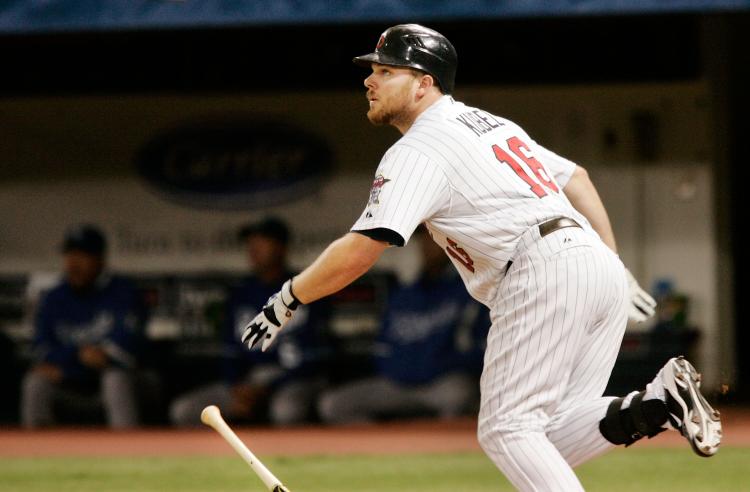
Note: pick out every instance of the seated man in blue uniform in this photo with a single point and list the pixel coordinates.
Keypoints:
(282, 384)
(86, 340)
(428, 353)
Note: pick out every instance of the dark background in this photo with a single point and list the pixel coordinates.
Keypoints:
(517, 51)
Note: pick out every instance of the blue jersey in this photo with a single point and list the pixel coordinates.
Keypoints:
(430, 328)
(108, 315)
(299, 348)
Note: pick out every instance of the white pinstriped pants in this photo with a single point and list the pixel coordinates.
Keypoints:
(557, 326)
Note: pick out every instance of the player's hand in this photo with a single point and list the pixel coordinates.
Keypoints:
(245, 400)
(642, 305)
(93, 357)
(273, 317)
(49, 371)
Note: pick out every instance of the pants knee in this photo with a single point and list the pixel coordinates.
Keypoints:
(327, 408)
(494, 438)
(334, 408)
(117, 387)
(35, 384)
(183, 413)
(494, 444)
(488, 441)
(285, 412)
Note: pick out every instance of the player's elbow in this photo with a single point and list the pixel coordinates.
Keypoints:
(581, 173)
(578, 185)
(361, 252)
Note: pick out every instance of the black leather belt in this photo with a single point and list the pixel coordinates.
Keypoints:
(559, 223)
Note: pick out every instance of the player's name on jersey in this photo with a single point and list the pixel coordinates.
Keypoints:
(478, 121)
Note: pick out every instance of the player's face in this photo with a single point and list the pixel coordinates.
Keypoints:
(81, 268)
(390, 91)
(265, 253)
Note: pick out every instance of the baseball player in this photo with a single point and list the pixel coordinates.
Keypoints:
(522, 234)
(87, 340)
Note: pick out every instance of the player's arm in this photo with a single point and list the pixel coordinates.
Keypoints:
(584, 198)
(344, 261)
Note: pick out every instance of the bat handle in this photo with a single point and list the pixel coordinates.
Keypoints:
(211, 416)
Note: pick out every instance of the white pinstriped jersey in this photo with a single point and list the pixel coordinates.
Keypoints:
(477, 181)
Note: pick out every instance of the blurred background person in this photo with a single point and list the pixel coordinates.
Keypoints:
(428, 354)
(87, 335)
(281, 384)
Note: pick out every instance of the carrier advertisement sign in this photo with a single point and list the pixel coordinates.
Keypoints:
(234, 165)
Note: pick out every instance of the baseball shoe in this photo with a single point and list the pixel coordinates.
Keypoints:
(689, 412)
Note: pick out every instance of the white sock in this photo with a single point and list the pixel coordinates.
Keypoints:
(655, 389)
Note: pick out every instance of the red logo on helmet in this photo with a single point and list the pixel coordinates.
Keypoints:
(381, 42)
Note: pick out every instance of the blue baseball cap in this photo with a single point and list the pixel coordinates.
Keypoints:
(271, 227)
(84, 237)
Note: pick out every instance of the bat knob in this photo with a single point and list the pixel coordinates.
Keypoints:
(210, 415)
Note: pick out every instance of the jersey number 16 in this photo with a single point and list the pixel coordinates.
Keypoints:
(518, 147)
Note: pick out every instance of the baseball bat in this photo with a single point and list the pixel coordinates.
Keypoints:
(211, 416)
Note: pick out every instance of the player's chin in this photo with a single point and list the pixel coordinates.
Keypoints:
(377, 118)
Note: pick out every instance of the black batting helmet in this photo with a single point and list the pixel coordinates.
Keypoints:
(415, 46)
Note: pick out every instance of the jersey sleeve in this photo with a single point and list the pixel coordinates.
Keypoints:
(408, 189)
(561, 168)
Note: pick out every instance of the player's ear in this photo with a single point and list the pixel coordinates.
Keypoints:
(426, 81)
